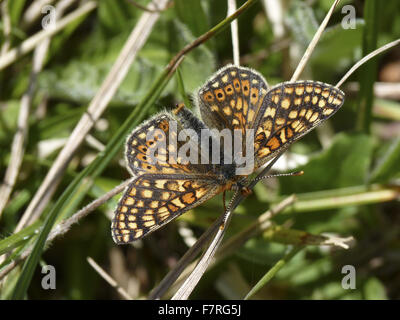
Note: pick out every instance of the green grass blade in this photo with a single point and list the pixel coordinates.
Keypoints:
(181, 88)
(19, 238)
(369, 72)
(30, 265)
(100, 163)
(390, 164)
(272, 272)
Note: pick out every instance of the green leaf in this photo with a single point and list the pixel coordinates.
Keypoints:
(191, 13)
(338, 46)
(389, 165)
(272, 272)
(116, 16)
(181, 88)
(374, 290)
(345, 163)
(15, 8)
(16, 239)
(79, 80)
(302, 22)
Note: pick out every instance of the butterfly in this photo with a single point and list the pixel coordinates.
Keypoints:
(234, 99)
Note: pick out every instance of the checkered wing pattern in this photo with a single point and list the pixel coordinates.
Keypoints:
(165, 186)
(235, 98)
(232, 98)
(153, 200)
(289, 111)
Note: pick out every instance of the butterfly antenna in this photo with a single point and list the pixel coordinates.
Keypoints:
(296, 173)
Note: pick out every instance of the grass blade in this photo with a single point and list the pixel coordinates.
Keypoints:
(273, 271)
(369, 72)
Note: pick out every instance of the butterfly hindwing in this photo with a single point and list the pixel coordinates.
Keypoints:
(153, 200)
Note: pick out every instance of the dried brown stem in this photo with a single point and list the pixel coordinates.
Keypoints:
(313, 43)
(18, 145)
(113, 283)
(29, 44)
(6, 27)
(96, 108)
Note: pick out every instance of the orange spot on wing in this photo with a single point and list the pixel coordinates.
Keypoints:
(246, 87)
(236, 84)
(273, 143)
(220, 94)
(189, 198)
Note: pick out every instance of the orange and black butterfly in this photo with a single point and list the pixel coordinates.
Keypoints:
(236, 99)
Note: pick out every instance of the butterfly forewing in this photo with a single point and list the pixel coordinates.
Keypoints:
(166, 186)
(232, 98)
(290, 110)
(154, 147)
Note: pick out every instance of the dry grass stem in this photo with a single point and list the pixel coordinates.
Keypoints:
(193, 279)
(274, 11)
(383, 90)
(206, 259)
(189, 256)
(366, 58)
(144, 8)
(109, 279)
(34, 11)
(234, 33)
(18, 145)
(313, 43)
(96, 107)
(262, 223)
(63, 227)
(5, 17)
(29, 44)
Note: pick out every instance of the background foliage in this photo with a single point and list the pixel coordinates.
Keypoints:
(342, 158)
